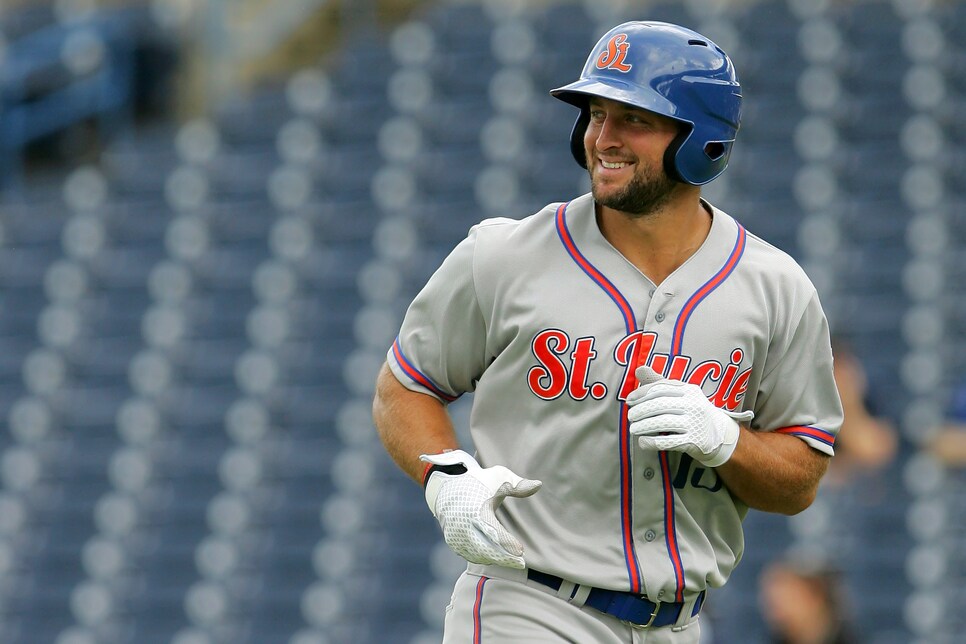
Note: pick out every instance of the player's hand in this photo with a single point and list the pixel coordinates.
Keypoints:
(669, 415)
(465, 506)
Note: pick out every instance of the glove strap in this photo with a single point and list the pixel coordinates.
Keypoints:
(452, 470)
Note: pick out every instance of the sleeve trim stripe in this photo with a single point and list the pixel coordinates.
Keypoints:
(416, 375)
(814, 433)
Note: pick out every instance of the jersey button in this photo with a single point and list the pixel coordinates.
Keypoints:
(650, 535)
(659, 317)
(649, 473)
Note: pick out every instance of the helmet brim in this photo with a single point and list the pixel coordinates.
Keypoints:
(580, 92)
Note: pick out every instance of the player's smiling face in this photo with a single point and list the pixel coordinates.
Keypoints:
(624, 147)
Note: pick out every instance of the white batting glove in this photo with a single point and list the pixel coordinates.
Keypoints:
(465, 506)
(670, 415)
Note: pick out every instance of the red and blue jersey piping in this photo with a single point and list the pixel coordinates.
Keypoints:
(630, 326)
(416, 375)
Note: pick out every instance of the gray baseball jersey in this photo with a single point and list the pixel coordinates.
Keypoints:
(545, 321)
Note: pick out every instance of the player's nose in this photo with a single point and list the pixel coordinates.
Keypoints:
(607, 135)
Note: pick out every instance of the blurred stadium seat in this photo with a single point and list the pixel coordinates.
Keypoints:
(193, 309)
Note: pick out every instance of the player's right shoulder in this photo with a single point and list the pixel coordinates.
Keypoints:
(496, 221)
(502, 243)
(509, 230)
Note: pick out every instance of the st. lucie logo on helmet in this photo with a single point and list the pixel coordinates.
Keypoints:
(613, 57)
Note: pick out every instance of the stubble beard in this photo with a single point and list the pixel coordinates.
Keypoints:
(648, 192)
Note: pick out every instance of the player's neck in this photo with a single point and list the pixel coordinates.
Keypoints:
(659, 242)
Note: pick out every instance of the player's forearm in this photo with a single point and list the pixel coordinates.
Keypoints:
(410, 423)
(774, 472)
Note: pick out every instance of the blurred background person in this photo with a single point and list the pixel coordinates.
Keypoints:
(805, 602)
(948, 442)
(855, 495)
(868, 442)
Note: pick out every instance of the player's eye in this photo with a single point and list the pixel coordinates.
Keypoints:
(636, 118)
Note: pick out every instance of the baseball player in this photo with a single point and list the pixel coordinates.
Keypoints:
(645, 370)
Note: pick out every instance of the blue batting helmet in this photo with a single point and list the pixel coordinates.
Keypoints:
(669, 70)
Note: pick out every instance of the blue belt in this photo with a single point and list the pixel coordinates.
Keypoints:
(627, 607)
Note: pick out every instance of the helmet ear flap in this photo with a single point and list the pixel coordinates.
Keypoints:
(671, 155)
(685, 162)
(577, 137)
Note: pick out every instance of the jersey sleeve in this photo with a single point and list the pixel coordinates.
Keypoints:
(798, 395)
(441, 344)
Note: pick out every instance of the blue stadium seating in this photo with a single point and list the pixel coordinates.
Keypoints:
(311, 423)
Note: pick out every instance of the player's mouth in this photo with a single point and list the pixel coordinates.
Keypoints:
(612, 167)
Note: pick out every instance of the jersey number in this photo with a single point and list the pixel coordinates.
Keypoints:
(687, 475)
